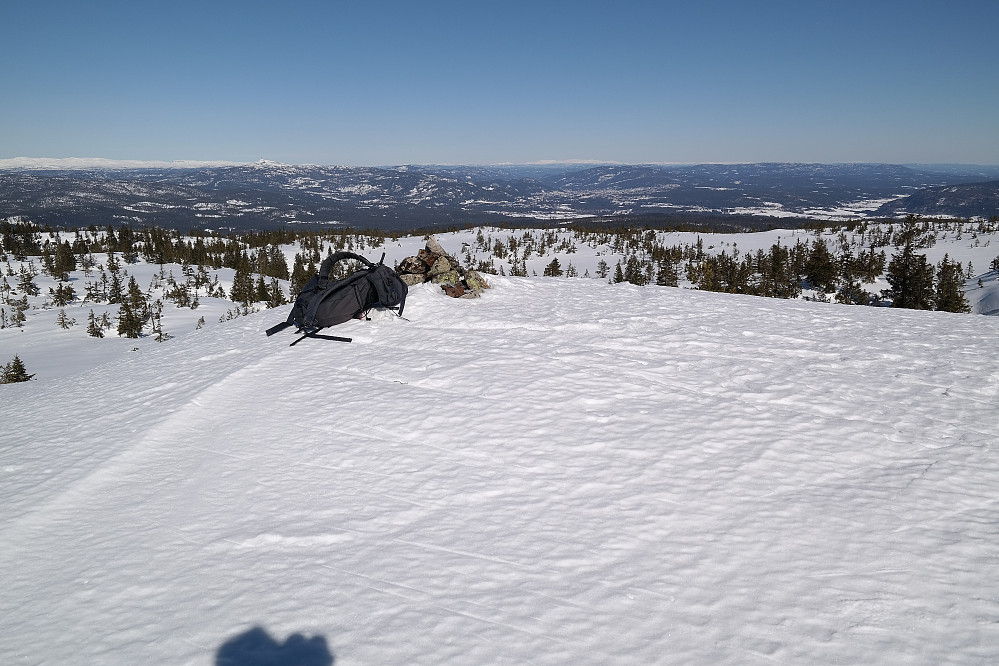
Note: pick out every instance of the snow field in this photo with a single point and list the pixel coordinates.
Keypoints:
(563, 471)
(50, 352)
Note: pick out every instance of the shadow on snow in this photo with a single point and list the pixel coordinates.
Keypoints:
(256, 648)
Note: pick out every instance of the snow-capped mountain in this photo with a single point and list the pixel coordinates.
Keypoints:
(268, 194)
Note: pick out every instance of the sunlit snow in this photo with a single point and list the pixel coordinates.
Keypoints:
(561, 472)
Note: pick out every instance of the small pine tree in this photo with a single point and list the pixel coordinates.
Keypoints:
(62, 295)
(553, 269)
(949, 295)
(115, 290)
(603, 270)
(20, 306)
(26, 280)
(820, 268)
(667, 275)
(911, 280)
(64, 320)
(64, 261)
(275, 295)
(157, 322)
(14, 372)
(243, 289)
(134, 311)
(94, 327)
(633, 272)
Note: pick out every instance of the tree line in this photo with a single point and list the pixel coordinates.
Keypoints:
(839, 268)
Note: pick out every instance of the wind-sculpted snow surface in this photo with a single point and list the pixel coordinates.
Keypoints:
(562, 472)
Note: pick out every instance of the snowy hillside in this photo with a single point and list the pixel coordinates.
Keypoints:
(51, 350)
(562, 472)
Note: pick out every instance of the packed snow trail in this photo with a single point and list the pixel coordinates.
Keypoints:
(560, 472)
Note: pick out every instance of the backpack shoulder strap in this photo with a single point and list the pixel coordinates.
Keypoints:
(327, 265)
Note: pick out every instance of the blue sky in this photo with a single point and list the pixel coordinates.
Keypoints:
(381, 82)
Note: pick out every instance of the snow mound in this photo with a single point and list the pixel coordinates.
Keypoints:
(983, 293)
(560, 472)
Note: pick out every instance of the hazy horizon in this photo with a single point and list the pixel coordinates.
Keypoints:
(68, 163)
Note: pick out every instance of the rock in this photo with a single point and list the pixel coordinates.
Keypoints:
(453, 290)
(450, 277)
(412, 265)
(441, 266)
(434, 247)
(412, 278)
(429, 258)
(470, 294)
(475, 281)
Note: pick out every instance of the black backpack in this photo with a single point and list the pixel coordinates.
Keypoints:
(324, 302)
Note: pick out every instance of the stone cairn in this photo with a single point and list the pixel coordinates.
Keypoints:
(433, 264)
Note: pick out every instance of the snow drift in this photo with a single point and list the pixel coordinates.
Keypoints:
(563, 472)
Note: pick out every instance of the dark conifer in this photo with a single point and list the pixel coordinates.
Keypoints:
(911, 280)
(134, 311)
(94, 328)
(666, 275)
(820, 268)
(64, 262)
(14, 372)
(949, 295)
(243, 289)
(62, 295)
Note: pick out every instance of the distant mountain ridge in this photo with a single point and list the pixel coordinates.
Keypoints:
(269, 194)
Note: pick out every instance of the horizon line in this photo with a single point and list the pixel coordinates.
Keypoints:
(70, 163)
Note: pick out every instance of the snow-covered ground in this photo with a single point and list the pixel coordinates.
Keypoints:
(51, 352)
(562, 472)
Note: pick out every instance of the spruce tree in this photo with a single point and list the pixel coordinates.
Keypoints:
(275, 294)
(64, 261)
(602, 269)
(94, 328)
(911, 280)
(115, 289)
(618, 273)
(62, 295)
(243, 289)
(134, 311)
(633, 271)
(26, 280)
(64, 320)
(820, 268)
(299, 274)
(14, 372)
(667, 275)
(949, 295)
(20, 306)
(263, 293)
(157, 322)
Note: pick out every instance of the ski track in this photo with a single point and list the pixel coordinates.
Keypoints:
(684, 479)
